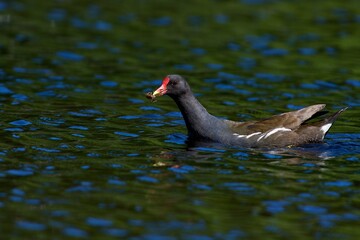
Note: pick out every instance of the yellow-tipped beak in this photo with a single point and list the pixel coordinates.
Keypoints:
(160, 91)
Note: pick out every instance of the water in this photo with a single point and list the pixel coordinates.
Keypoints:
(84, 154)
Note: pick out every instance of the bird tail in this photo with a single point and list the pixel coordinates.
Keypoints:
(334, 116)
(326, 123)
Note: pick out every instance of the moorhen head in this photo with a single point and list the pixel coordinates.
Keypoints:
(174, 86)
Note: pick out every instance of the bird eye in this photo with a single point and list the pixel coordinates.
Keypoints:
(173, 83)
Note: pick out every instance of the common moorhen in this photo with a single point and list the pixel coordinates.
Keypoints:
(286, 129)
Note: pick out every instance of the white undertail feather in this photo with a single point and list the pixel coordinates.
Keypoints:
(326, 127)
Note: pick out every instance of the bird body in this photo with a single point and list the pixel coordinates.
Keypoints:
(286, 129)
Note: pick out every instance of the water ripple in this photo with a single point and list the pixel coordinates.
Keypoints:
(20, 123)
(70, 56)
(19, 172)
(32, 226)
(98, 222)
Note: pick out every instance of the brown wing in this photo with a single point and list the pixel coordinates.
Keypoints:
(291, 120)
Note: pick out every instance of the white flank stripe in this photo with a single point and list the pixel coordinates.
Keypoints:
(239, 136)
(246, 136)
(266, 135)
(277, 130)
(326, 127)
(253, 134)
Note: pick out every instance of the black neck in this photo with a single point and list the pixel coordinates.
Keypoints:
(199, 122)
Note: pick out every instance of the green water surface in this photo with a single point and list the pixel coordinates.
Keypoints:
(83, 154)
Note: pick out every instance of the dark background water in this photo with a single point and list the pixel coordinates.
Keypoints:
(84, 155)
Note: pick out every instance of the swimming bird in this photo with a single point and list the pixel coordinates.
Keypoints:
(285, 129)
